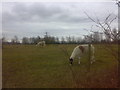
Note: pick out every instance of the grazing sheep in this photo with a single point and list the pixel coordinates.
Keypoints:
(81, 50)
(41, 43)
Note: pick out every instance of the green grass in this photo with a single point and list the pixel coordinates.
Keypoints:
(28, 66)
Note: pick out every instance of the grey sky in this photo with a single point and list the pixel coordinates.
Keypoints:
(58, 19)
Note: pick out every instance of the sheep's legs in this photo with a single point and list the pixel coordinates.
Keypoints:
(79, 60)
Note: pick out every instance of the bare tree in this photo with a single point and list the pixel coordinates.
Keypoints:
(112, 34)
(15, 40)
(4, 39)
(25, 40)
(62, 40)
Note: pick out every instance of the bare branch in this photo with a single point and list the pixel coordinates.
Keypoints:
(113, 20)
(106, 19)
(90, 17)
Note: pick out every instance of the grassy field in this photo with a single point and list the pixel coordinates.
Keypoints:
(28, 66)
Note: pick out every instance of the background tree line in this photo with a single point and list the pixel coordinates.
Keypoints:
(97, 37)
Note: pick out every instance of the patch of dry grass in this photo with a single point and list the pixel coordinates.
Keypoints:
(28, 66)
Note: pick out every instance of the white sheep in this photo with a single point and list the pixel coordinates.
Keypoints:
(81, 50)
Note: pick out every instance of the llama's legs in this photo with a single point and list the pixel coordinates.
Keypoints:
(79, 60)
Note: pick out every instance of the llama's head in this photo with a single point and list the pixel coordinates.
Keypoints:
(71, 60)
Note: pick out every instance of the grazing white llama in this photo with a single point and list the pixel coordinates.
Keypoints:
(41, 43)
(81, 50)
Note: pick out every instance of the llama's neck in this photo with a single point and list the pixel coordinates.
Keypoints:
(73, 54)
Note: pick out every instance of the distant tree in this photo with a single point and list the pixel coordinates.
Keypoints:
(79, 40)
(4, 39)
(31, 39)
(63, 40)
(25, 40)
(15, 40)
(73, 41)
(46, 34)
(12, 41)
(68, 39)
(51, 39)
(46, 38)
(57, 40)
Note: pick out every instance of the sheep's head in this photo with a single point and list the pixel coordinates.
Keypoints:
(71, 60)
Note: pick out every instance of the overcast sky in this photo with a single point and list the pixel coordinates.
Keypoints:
(58, 19)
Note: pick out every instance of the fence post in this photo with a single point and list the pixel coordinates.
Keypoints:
(118, 45)
(89, 57)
